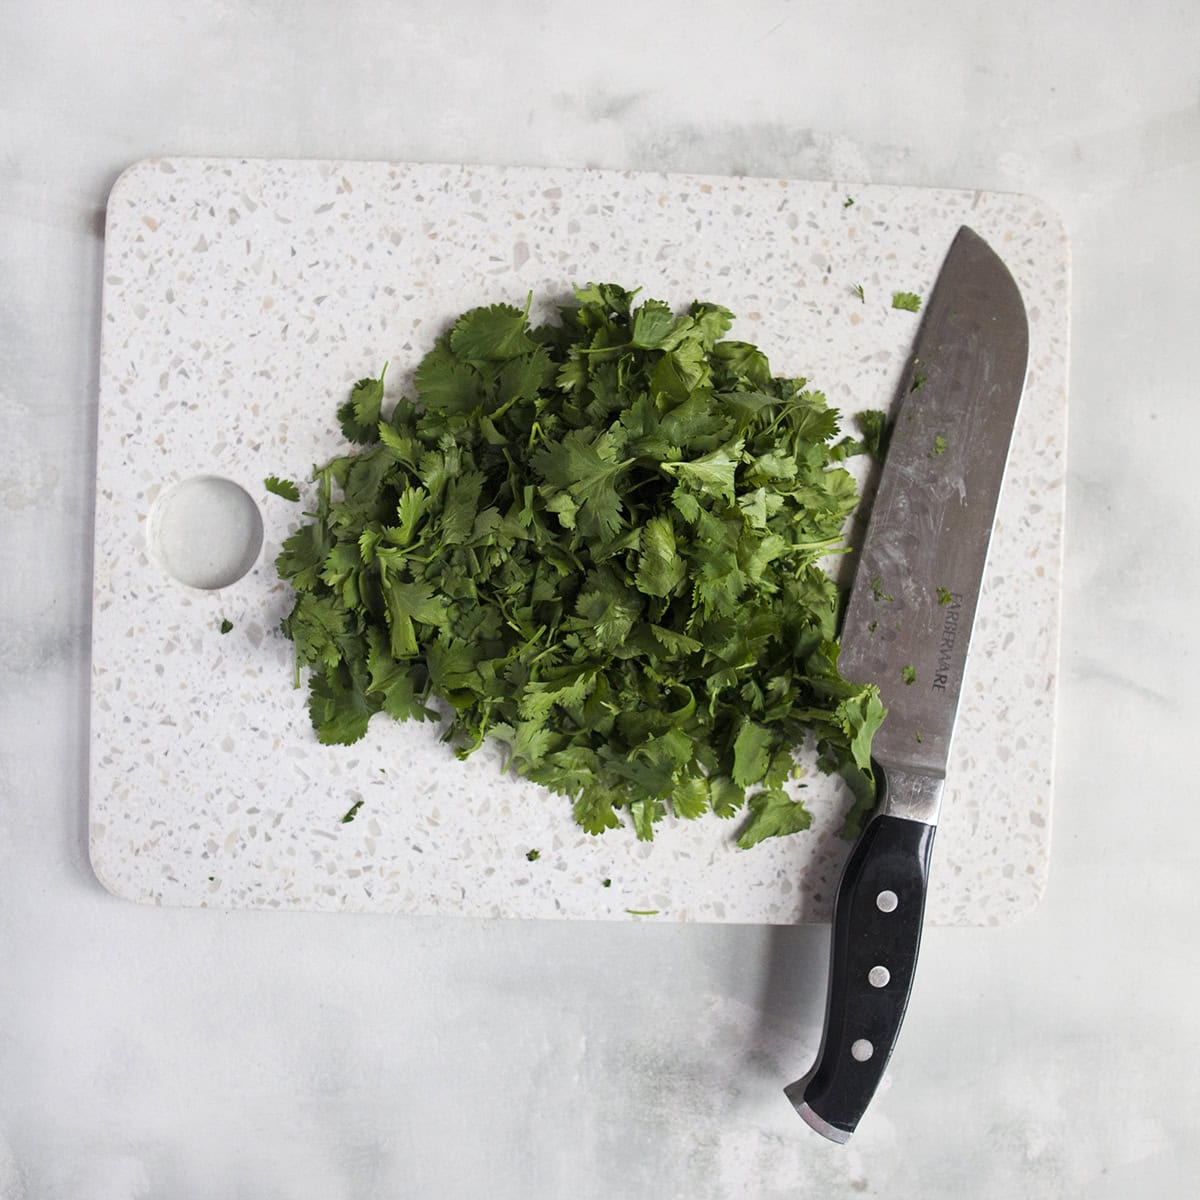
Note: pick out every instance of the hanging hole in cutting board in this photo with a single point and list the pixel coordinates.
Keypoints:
(206, 532)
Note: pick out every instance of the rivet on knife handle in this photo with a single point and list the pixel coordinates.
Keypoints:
(876, 933)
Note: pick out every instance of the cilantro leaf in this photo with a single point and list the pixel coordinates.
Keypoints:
(909, 301)
(587, 470)
(448, 384)
(494, 334)
(359, 416)
(282, 487)
(660, 568)
(655, 327)
(338, 708)
(751, 754)
(317, 625)
(873, 425)
(713, 473)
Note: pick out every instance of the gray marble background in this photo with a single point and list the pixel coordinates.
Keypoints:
(185, 1054)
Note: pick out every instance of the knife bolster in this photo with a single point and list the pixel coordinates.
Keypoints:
(910, 796)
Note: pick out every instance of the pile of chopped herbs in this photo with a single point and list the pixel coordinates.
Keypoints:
(599, 543)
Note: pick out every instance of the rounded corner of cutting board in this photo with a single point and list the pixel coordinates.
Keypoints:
(1028, 905)
(111, 881)
(130, 179)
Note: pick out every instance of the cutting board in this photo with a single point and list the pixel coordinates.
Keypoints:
(241, 301)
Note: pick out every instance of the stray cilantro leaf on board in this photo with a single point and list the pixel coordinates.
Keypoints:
(773, 814)
(944, 595)
(597, 545)
(877, 590)
(858, 291)
(606, 883)
(908, 301)
(282, 487)
(908, 674)
(226, 625)
(533, 855)
(848, 202)
(939, 444)
(352, 812)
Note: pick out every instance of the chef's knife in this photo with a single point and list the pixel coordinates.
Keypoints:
(907, 628)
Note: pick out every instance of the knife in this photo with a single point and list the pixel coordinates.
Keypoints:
(907, 628)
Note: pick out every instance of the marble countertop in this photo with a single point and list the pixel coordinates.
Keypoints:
(195, 1053)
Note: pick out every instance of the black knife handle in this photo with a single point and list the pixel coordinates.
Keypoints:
(876, 932)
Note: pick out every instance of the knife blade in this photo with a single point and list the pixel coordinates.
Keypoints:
(907, 628)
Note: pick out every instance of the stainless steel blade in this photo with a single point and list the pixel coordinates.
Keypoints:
(908, 623)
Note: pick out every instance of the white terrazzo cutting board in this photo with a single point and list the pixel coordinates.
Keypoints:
(241, 301)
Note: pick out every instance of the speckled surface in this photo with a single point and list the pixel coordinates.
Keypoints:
(241, 300)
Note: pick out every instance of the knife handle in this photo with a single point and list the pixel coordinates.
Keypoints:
(876, 932)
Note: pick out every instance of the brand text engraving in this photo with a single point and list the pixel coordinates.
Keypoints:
(950, 624)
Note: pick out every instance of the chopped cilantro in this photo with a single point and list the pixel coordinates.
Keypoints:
(939, 444)
(281, 487)
(352, 812)
(599, 543)
(908, 674)
(918, 380)
(875, 429)
(874, 625)
(944, 596)
(226, 625)
(909, 301)
(606, 883)
(858, 291)
(533, 855)
(848, 202)
(919, 737)
(877, 590)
